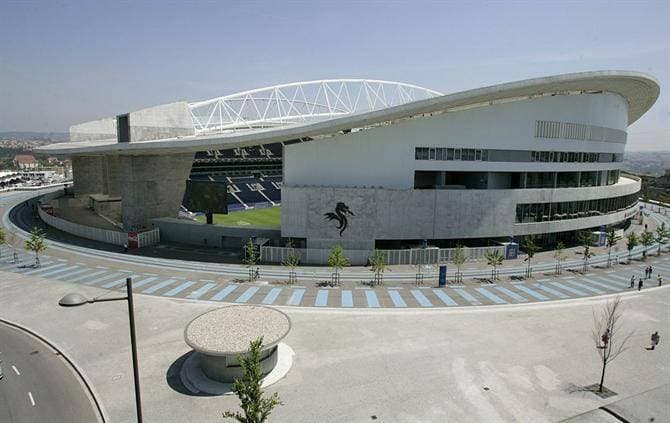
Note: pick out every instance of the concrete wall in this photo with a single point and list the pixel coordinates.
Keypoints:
(164, 121)
(88, 175)
(152, 186)
(195, 233)
(429, 214)
(101, 129)
(384, 156)
(111, 176)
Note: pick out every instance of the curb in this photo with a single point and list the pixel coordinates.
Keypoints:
(102, 415)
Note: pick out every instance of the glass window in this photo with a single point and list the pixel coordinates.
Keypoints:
(440, 154)
(421, 153)
(478, 154)
(485, 155)
(457, 154)
(450, 154)
(432, 154)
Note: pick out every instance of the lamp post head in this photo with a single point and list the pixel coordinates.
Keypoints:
(73, 300)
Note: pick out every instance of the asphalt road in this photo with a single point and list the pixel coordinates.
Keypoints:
(38, 385)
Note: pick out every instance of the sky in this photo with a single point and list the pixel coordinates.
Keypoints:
(63, 63)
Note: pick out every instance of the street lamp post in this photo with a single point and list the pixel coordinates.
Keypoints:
(74, 300)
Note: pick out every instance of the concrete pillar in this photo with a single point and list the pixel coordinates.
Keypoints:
(152, 186)
(87, 175)
(112, 181)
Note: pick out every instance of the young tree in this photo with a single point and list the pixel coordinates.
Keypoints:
(607, 334)
(585, 239)
(378, 265)
(530, 248)
(494, 259)
(646, 239)
(458, 259)
(612, 239)
(2, 239)
(662, 234)
(632, 241)
(12, 240)
(559, 255)
(255, 407)
(337, 260)
(36, 244)
(292, 260)
(250, 258)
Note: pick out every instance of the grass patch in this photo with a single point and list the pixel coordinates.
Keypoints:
(260, 218)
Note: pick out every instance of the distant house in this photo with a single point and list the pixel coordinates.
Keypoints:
(25, 161)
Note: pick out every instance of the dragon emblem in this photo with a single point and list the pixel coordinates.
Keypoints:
(340, 215)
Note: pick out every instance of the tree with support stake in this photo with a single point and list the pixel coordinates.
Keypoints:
(632, 241)
(378, 266)
(530, 248)
(337, 260)
(2, 239)
(36, 244)
(559, 255)
(251, 259)
(292, 261)
(612, 239)
(494, 259)
(585, 240)
(646, 240)
(607, 335)
(458, 259)
(662, 235)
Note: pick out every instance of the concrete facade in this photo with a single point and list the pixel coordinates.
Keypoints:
(152, 187)
(101, 129)
(165, 121)
(88, 175)
(194, 233)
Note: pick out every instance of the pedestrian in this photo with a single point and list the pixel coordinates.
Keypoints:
(651, 271)
(655, 337)
(660, 280)
(125, 248)
(257, 274)
(632, 281)
(639, 284)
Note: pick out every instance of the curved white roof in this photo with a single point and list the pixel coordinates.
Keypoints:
(640, 91)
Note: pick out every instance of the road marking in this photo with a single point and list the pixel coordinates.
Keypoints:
(70, 274)
(491, 296)
(44, 269)
(616, 283)
(569, 289)
(396, 298)
(421, 299)
(176, 290)
(201, 291)
(271, 297)
(224, 292)
(530, 292)
(16, 371)
(347, 298)
(586, 287)
(321, 298)
(55, 272)
(512, 294)
(246, 295)
(78, 278)
(158, 286)
(602, 285)
(143, 282)
(371, 298)
(103, 278)
(32, 400)
(467, 297)
(444, 297)
(551, 291)
(117, 282)
(296, 297)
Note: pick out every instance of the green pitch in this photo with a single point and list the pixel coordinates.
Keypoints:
(261, 218)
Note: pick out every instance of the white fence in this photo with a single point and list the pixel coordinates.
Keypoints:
(359, 257)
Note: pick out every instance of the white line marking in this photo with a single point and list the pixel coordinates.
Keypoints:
(16, 371)
(32, 400)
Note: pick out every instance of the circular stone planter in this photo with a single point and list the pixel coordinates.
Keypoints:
(221, 335)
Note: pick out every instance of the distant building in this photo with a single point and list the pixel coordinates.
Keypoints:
(25, 161)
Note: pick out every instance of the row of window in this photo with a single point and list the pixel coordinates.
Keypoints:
(578, 131)
(474, 154)
(545, 212)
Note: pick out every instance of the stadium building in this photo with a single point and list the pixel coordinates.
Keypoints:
(383, 164)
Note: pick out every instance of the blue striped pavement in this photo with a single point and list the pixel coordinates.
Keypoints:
(201, 291)
(620, 279)
(87, 275)
(44, 269)
(347, 298)
(272, 296)
(444, 297)
(396, 298)
(142, 282)
(568, 288)
(296, 297)
(532, 293)
(491, 296)
(179, 288)
(103, 278)
(371, 298)
(551, 291)
(582, 284)
(71, 274)
(224, 292)
(158, 286)
(421, 299)
(55, 272)
(321, 298)
(467, 297)
(615, 281)
(118, 282)
(602, 285)
(246, 295)
(512, 294)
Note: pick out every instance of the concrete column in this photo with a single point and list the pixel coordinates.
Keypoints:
(112, 181)
(152, 186)
(87, 175)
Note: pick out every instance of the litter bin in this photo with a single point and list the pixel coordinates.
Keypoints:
(442, 281)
